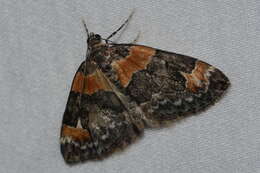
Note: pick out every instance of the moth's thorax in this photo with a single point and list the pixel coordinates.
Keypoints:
(98, 53)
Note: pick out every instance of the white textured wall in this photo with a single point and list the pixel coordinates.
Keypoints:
(43, 42)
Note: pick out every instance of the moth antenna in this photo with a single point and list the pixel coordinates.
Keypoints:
(85, 26)
(124, 24)
(107, 40)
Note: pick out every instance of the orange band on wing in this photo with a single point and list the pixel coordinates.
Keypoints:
(77, 85)
(93, 83)
(77, 134)
(199, 76)
(139, 57)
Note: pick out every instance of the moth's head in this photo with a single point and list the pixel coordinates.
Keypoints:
(93, 39)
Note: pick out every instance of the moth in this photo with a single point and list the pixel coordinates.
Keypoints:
(121, 89)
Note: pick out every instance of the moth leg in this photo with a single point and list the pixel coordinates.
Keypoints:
(125, 23)
(136, 38)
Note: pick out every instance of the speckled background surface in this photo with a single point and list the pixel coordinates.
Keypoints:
(43, 42)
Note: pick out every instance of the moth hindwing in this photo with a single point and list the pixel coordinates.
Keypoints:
(122, 88)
